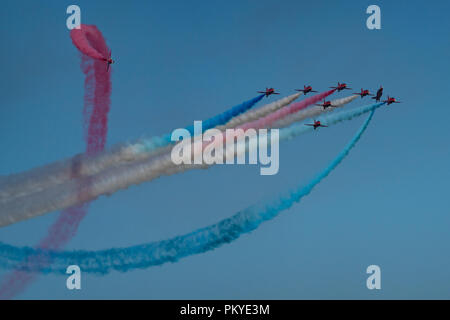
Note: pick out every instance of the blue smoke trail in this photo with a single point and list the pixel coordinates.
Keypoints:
(160, 252)
(220, 119)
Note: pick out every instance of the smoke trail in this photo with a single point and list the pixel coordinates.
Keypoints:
(96, 108)
(199, 241)
(38, 179)
(114, 179)
(312, 112)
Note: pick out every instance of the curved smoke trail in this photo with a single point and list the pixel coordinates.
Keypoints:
(97, 86)
(84, 38)
(38, 179)
(157, 253)
(114, 179)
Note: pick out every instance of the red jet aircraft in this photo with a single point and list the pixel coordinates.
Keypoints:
(391, 100)
(341, 86)
(325, 104)
(379, 94)
(108, 60)
(316, 124)
(363, 93)
(268, 91)
(306, 89)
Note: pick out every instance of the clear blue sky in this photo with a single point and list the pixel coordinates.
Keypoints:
(179, 61)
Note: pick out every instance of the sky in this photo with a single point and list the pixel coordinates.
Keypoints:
(179, 61)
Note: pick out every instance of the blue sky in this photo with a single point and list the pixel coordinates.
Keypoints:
(179, 61)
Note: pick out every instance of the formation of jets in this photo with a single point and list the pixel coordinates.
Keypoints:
(343, 86)
(327, 104)
(308, 88)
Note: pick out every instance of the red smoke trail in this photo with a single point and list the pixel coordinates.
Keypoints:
(97, 85)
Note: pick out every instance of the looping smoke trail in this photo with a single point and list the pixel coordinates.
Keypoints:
(199, 241)
(86, 39)
(38, 179)
(95, 112)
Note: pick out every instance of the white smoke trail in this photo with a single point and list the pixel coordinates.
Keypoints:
(38, 179)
